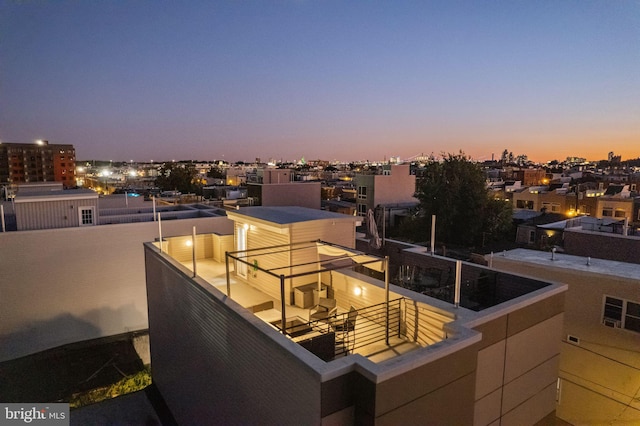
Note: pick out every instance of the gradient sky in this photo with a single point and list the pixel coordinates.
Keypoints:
(346, 80)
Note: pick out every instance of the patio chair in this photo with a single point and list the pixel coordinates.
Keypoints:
(344, 327)
(324, 309)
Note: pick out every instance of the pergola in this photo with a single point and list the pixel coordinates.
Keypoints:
(335, 257)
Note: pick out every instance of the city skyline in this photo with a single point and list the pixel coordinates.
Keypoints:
(235, 81)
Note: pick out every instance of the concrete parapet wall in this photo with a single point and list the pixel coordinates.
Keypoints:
(61, 286)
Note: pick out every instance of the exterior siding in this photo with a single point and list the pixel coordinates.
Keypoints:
(259, 237)
(341, 232)
(597, 373)
(52, 214)
(183, 252)
(237, 363)
(336, 232)
(221, 245)
(291, 194)
(397, 188)
(438, 393)
(518, 360)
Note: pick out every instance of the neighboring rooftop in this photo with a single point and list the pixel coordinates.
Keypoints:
(54, 195)
(576, 263)
(287, 214)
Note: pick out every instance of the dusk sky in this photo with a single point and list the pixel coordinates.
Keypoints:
(344, 80)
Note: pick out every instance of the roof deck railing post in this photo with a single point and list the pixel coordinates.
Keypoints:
(283, 305)
(386, 295)
(160, 230)
(400, 310)
(456, 294)
(193, 250)
(226, 262)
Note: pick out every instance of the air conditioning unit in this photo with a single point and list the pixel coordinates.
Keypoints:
(573, 339)
(611, 323)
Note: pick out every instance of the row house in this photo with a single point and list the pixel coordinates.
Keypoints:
(615, 202)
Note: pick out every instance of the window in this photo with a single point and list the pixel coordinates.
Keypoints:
(524, 204)
(362, 192)
(86, 216)
(362, 209)
(621, 313)
(551, 207)
(532, 237)
(619, 213)
(607, 212)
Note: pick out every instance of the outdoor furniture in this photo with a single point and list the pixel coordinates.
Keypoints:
(324, 309)
(306, 296)
(344, 326)
(294, 326)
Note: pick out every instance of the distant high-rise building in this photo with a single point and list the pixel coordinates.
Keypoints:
(37, 162)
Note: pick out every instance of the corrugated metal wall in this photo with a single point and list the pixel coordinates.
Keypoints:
(213, 366)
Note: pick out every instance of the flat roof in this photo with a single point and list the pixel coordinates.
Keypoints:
(58, 195)
(575, 263)
(284, 215)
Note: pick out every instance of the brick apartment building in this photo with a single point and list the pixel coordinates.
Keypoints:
(37, 162)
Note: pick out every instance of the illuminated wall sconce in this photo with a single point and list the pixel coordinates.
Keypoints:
(358, 291)
(188, 243)
(245, 226)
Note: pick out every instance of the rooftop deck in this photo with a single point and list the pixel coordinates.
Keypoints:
(366, 336)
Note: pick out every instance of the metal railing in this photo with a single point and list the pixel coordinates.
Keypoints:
(358, 328)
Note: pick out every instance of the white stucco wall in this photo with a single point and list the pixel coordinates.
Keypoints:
(61, 286)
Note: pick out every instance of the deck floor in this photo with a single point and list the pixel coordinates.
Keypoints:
(247, 296)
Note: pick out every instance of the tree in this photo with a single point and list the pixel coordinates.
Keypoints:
(498, 220)
(216, 173)
(455, 191)
(177, 177)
